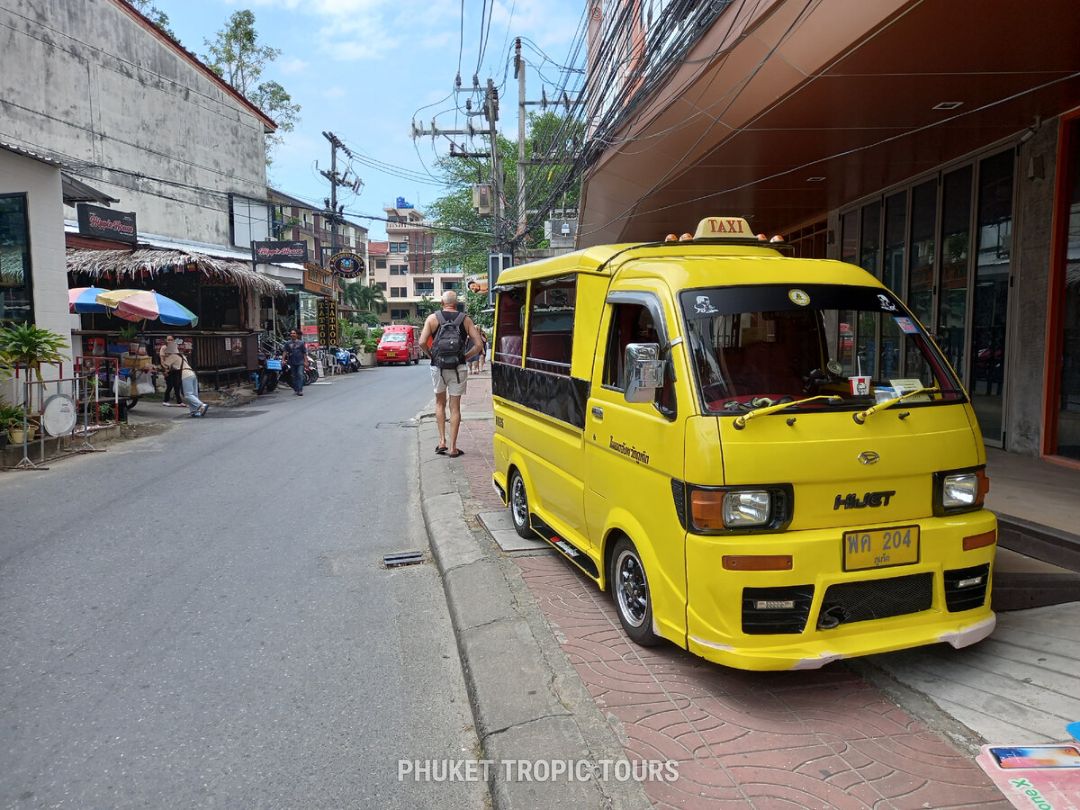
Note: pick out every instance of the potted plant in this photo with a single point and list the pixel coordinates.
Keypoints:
(11, 420)
(27, 345)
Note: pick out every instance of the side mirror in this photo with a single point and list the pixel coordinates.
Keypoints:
(643, 372)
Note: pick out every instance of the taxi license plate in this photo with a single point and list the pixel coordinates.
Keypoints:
(881, 548)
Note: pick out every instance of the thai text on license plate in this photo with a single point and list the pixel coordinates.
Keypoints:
(881, 548)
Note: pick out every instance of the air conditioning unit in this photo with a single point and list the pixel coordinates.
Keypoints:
(481, 198)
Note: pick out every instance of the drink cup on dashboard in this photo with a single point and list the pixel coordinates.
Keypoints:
(860, 385)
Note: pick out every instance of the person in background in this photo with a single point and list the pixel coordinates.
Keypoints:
(483, 354)
(189, 382)
(295, 355)
(474, 361)
(169, 354)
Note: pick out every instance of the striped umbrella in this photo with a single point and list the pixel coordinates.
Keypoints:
(83, 300)
(135, 305)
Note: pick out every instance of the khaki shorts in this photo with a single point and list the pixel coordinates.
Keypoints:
(445, 379)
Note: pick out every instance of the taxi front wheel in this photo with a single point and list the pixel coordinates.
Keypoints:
(630, 588)
(519, 506)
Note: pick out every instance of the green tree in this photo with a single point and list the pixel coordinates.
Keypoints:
(425, 306)
(154, 14)
(468, 237)
(365, 298)
(239, 58)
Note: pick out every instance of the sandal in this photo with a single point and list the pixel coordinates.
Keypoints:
(456, 453)
(440, 449)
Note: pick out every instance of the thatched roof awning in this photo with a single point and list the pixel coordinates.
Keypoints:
(132, 264)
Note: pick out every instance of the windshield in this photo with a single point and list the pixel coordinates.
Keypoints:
(394, 337)
(853, 346)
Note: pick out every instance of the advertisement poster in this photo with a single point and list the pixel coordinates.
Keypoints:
(1046, 777)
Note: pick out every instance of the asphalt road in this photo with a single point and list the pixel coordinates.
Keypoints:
(201, 619)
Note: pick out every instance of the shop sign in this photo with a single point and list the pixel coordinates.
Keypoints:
(346, 264)
(104, 223)
(327, 318)
(279, 252)
(317, 280)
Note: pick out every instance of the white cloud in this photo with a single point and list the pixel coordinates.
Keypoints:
(334, 92)
(291, 65)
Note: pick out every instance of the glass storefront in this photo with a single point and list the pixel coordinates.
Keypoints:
(1068, 415)
(945, 244)
(16, 290)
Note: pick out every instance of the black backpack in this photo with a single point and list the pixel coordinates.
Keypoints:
(448, 347)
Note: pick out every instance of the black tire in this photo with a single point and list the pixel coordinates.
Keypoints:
(271, 382)
(519, 506)
(629, 588)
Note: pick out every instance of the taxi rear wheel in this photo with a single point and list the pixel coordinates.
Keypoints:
(630, 589)
(519, 506)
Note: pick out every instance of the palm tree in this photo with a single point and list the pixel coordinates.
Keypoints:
(365, 298)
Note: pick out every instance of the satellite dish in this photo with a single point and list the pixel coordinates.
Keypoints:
(59, 414)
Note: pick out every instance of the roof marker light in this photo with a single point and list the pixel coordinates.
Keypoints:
(777, 238)
(671, 238)
(762, 237)
(686, 237)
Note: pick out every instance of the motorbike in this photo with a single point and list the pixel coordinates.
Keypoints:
(311, 371)
(346, 359)
(268, 374)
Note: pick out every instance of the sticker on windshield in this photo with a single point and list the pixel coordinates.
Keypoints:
(907, 326)
(703, 305)
(799, 297)
(886, 304)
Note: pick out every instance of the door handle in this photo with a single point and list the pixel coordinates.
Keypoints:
(598, 412)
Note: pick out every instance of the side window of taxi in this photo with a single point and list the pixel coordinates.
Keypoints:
(509, 333)
(632, 323)
(550, 341)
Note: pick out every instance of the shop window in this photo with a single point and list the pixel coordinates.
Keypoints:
(1068, 404)
(633, 323)
(509, 334)
(550, 341)
(955, 255)
(990, 291)
(16, 291)
(921, 249)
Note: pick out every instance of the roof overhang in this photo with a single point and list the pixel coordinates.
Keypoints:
(807, 107)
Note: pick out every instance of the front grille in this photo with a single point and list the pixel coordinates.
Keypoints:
(775, 617)
(970, 596)
(875, 599)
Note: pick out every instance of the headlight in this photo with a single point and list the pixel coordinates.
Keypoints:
(722, 509)
(745, 508)
(960, 490)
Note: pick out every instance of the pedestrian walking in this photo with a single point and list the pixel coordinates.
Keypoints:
(169, 355)
(189, 382)
(449, 333)
(295, 355)
(484, 353)
(474, 362)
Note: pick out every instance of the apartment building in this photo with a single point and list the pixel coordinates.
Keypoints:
(406, 267)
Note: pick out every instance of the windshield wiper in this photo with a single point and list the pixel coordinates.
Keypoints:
(740, 421)
(860, 416)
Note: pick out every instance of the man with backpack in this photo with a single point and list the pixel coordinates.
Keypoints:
(450, 333)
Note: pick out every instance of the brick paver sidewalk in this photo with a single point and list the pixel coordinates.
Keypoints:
(821, 739)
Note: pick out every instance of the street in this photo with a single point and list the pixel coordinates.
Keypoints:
(201, 618)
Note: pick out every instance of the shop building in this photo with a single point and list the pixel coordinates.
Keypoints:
(176, 154)
(935, 144)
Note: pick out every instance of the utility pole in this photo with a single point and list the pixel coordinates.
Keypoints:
(519, 74)
(496, 170)
(336, 180)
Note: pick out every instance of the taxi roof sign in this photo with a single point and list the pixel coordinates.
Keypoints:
(723, 228)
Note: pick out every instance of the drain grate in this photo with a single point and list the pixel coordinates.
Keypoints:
(403, 558)
(408, 423)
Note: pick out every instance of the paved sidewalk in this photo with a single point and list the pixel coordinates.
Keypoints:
(756, 740)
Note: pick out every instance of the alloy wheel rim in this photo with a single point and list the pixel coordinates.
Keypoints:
(519, 505)
(631, 589)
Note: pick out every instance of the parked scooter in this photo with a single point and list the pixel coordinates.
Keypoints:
(346, 359)
(311, 370)
(268, 374)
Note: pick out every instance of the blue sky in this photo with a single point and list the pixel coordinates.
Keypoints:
(362, 69)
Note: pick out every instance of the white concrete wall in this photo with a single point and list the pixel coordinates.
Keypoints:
(45, 212)
(86, 83)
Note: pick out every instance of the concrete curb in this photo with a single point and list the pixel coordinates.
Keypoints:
(528, 703)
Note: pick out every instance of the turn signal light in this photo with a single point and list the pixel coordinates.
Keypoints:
(707, 508)
(757, 562)
(980, 540)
